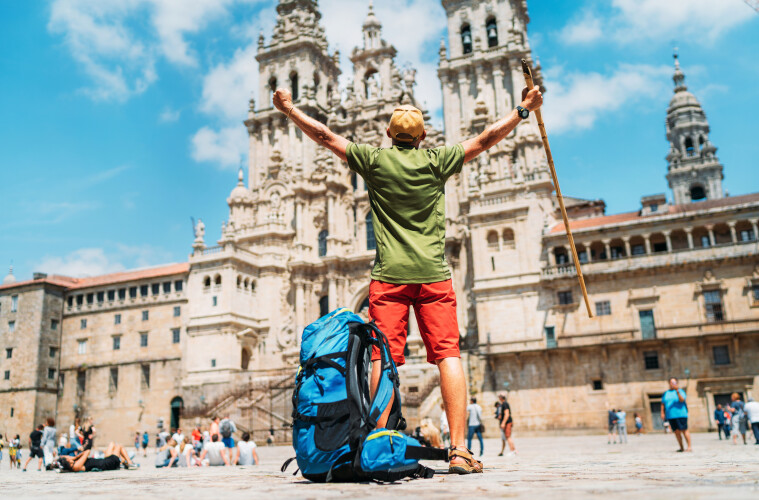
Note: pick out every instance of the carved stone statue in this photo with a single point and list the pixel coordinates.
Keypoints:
(200, 231)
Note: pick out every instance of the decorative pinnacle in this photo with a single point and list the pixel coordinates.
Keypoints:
(678, 77)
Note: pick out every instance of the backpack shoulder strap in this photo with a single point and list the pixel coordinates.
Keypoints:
(426, 453)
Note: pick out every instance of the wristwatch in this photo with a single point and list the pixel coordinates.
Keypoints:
(523, 112)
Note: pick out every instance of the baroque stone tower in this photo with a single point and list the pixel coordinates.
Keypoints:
(507, 190)
(694, 172)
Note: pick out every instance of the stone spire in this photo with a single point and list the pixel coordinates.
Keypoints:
(694, 172)
(9, 278)
(372, 29)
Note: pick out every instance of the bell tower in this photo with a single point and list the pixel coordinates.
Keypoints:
(694, 172)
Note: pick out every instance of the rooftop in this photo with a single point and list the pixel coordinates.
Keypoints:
(105, 279)
(700, 206)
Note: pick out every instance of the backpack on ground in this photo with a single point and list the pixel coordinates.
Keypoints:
(334, 416)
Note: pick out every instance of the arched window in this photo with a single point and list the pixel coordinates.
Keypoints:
(323, 243)
(239, 281)
(689, 146)
(244, 359)
(245, 283)
(371, 242)
(371, 84)
(508, 238)
(492, 30)
(493, 245)
(217, 280)
(354, 180)
(324, 306)
(177, 404)
(466, 38)
(364, 306)
(317, 80)
(697, 193)
(272, 88)
(252, 285)
(294, 85)
(207, 282)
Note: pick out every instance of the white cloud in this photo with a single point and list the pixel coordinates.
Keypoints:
(118, 42)
(577, 100)
(223, 147)
(97, 260)
(228, 86)
(81, 263)
(631, 21)
(585, 30)
(169, 115)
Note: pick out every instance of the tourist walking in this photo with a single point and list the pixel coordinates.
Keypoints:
(406, 186)
(227, 428)
(612, 417)
(638, 424)
(505, 424)
(2, 445)
(752, 414)
(740, 424)
(49, 434)
(675, 411)
(474, 421)
(35, 447)
(622, 426)
(719, 419)
(145, 441)
(14, 451)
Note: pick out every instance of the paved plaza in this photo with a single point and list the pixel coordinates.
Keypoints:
(563, 467)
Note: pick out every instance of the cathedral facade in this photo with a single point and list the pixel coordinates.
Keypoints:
(674, 283)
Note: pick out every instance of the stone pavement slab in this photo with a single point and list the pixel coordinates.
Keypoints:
(546, 467)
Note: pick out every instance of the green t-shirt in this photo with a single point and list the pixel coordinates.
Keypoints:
(407, 194)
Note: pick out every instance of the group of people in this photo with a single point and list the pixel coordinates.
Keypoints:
(736, 418)
(71, 453)
(215, 446)
(618, 426)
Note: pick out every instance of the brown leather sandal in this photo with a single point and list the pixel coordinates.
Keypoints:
(470, 465)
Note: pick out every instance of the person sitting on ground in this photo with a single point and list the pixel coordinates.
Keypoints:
(65, 449)
(214, 428)
(406, 187)
(115, 457)
(246, 451)
(166, 456)
(88, 434)
(186, 453)
(178, 436)
(431, 433)
(214, 453)
(35, 447)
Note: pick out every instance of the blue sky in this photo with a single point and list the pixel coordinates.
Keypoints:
(122, 119)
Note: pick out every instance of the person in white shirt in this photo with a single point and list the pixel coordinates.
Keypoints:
(178, 436)
(214, 453)
(474, 420)
(246, 451)
(752, 412)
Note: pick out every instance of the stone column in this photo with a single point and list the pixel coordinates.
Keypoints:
(710, 228)
(668, 237)
(465, 99)
(300, 313)
(647, 241)
(332, 291)
(689, 234)
(588, 252)
(755, 227)
(331, 215)
(500, 103)
(733, 234)
(628, 251)
(298, 221)
(552, 256)
(607, 248)
(569, 255)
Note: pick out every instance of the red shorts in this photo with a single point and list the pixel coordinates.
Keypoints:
(435, 308)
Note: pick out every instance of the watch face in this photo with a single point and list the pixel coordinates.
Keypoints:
(524, 113)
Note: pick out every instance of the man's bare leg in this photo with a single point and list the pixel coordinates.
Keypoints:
(686, 433)
(453, 388)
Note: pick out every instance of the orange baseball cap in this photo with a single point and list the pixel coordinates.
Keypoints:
(406, 124)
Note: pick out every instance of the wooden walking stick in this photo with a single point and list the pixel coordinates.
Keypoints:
(538, 115)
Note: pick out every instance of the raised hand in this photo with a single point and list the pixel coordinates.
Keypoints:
(283, 100)
(533, 99)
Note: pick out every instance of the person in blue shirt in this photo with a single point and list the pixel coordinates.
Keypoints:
(719, 418)
(675, 410)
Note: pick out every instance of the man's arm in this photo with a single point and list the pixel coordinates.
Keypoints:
(681, 395)
(317, 131)
(492, 135)
(505, 417)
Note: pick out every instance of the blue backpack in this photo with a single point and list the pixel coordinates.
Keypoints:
(334, 416)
